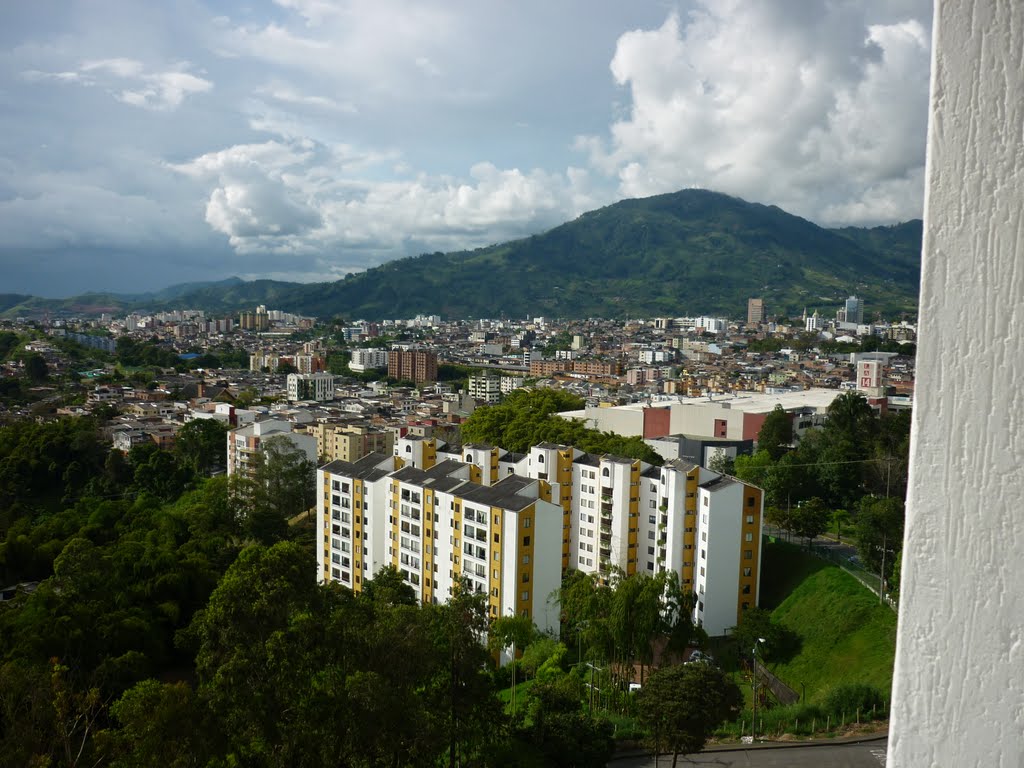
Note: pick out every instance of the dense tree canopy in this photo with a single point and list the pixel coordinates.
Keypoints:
(526, 418)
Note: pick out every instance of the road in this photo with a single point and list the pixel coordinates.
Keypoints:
(867, 755)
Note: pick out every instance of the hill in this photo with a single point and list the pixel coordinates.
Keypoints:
(690, 252)
(846, 635)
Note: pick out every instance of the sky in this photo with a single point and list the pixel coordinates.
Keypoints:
(148, 144)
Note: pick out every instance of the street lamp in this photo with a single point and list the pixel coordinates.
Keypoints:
(753, 719)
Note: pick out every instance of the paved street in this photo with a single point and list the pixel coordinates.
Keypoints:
(868, 755)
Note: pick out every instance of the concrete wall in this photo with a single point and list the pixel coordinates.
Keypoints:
(958, 693)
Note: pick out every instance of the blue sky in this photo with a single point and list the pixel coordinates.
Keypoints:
(145, 144)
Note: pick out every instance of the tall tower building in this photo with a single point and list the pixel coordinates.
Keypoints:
(755, 311)
(854, 310)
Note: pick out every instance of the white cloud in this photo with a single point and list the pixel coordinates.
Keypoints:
(129, 82)
(304, 197)
(822, 113)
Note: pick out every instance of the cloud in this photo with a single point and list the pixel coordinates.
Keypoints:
(816, 109)
(303, 197)
(129, 82)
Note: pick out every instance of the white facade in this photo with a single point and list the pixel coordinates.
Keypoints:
(245, 442)
(310, 386)
(958, 682)
(485, 388)
(368, 359)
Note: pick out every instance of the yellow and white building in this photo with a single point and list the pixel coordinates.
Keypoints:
(514, 523)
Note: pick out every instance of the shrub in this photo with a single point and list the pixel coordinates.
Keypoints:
(847, 699)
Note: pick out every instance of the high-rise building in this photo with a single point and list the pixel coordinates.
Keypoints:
(854, 310)
(310, 386)
(485, 388)
(416, 365)
(755, 311)
(245, 442)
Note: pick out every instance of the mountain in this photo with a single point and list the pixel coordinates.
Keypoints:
(690, 252)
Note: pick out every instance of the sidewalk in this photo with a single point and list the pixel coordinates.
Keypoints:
(862, 738)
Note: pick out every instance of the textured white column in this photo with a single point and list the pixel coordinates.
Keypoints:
(958, 691)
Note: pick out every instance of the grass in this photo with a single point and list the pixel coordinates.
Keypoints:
(846, 635)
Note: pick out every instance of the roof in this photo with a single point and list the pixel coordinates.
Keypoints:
(719, 482)
(504, 494)
(367, 468)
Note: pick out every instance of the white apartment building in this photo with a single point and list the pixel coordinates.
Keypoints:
(485, 388)
(368, 359)
(511, 383)
(310, 386)
(245, 442)
(437, 527)
(612, 512)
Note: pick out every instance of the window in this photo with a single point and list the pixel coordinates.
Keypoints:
(748, 554)
(703, 554)
(336, 485)
(650, 550)
(650, 535)
(746, 589)
(651, 504)
(749, 537)
(702, 570)
(746, 606)
(526, 559)
(526, 541)
(526, 578)
(335, 573)
(750, 501)
(750, 519)
(524, 596)
(651, 518)
(527, 522)
(703, 535)
(497, 556)
(746, 571)
(605, 472)
(497, 538)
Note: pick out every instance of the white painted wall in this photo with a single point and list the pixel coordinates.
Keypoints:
(958, 692)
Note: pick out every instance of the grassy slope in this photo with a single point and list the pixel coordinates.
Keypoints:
(847, 637)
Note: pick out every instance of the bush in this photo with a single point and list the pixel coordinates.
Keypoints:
(847, 699)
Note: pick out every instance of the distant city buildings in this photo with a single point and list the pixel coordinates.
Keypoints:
(368, 359)
(415, 365)
(310, 386)
(755, 311)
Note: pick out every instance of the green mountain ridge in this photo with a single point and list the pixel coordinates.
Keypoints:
(691, 252)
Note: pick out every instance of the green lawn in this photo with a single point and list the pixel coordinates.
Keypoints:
(846, 635)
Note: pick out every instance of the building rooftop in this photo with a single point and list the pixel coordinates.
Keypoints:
(506, 493)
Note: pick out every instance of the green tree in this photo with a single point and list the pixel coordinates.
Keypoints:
(201, 446)
(879, 528)
(36, 368)
(776, 433)
(809, 519)
(680, 706)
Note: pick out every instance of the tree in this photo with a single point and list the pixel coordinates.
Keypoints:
(879, 528)
(681, 705)
(776, 433)
(201, 446)
(36, 368)
(281, 486)
(851, 417)
(809, 519)
(285, 368)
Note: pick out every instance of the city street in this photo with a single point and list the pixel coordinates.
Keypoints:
(865, 755)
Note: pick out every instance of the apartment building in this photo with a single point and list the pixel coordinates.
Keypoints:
(350, 442)
(310, 386)
(437, 527)
(485, 388)
(245, 442)
(602, 513)
(416, 365)
(368, 359)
